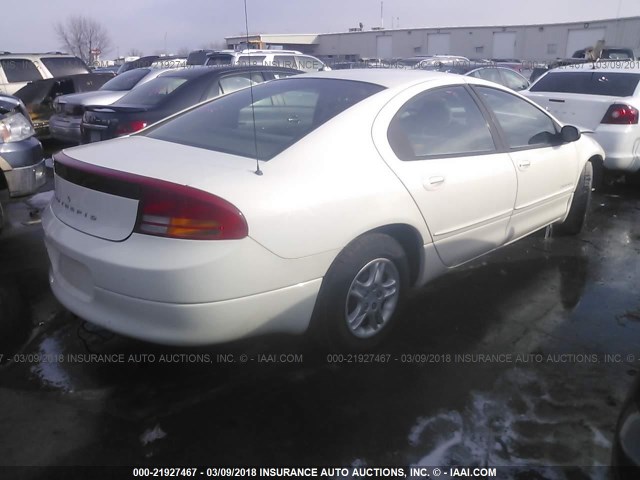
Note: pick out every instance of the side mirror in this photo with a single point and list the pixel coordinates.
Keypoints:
(569, 133)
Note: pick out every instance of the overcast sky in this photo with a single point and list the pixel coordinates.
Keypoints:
(28, 25)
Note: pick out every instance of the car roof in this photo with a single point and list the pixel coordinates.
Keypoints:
(388, 78)
(198, 71)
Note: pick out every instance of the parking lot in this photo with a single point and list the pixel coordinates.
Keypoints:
(521, 358)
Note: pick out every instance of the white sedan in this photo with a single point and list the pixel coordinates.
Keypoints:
(604, 100)
(312, 202)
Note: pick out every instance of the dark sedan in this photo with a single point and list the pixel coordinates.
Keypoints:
(170, 93)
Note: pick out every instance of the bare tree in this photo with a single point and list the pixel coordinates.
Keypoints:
(219, 45)
(183, 51)
(81, 36)
(134, 52)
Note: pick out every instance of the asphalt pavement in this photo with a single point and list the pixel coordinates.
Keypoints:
(521, 358)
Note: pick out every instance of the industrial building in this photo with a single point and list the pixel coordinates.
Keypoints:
(527, 42)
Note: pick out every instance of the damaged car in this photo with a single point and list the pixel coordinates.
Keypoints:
(22, 168)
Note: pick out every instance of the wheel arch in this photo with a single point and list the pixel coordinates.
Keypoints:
(598, 170)
(411, 242)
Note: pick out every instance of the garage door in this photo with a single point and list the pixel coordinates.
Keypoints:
(384, 46)
(504, 45)
(438, 44)
(583, 38)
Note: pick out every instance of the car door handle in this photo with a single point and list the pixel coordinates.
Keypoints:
(524, 164)
(433, 182)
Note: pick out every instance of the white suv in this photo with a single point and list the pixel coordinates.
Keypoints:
(18, 69)
(275, 58)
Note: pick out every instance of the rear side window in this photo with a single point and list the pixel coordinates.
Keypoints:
(285, 111)
(20, 70)
(61, 66)
(245, 60)
(236, 82)
(490, 74)
(152, 92)
(288, 61)
(126, 81)
(440, 122)
(588, 82)
(308, 64)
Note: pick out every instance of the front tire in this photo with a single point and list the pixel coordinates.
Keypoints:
(577, 217)
(362, 294)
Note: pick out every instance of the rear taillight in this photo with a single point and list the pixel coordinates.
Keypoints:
(176, 211)
(621, 114)
(130, 127)
(166, 209)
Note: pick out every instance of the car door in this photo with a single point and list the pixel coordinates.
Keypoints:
(442, 147)
(546, 167)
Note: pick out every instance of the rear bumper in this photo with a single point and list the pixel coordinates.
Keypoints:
(621, 144)
(287, 310)
(179, 292)
(66, 129)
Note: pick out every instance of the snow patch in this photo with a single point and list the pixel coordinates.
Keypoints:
(51, 372)
(151, 435)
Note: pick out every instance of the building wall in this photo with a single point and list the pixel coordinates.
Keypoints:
(533, 42)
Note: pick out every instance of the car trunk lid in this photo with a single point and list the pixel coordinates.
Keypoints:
(585, 111)
(98, 187)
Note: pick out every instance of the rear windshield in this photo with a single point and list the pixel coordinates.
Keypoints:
(152, 92)
(219, 59)
(589, 82)
(125, 81)
(285, 111)
(61, 66)
(20, 70)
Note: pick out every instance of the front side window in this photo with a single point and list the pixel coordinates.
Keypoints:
(513, 80)
(523, 124)
(440, 122)
(282, 113)
(20, 70)
(61, 66)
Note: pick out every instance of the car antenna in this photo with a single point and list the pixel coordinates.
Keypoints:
(253, 108)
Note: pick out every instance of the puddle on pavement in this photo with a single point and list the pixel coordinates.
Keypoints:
(528, 420)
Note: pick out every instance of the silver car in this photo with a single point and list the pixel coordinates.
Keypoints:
(64, 125)
(22, 169)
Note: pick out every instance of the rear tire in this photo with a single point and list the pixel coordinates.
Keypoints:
(577, 217)
(361, 295)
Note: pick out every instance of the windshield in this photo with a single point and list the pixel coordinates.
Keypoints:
(125, 81)
(152, 92)
(284, 110)
(61, 66)
(590, 83)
